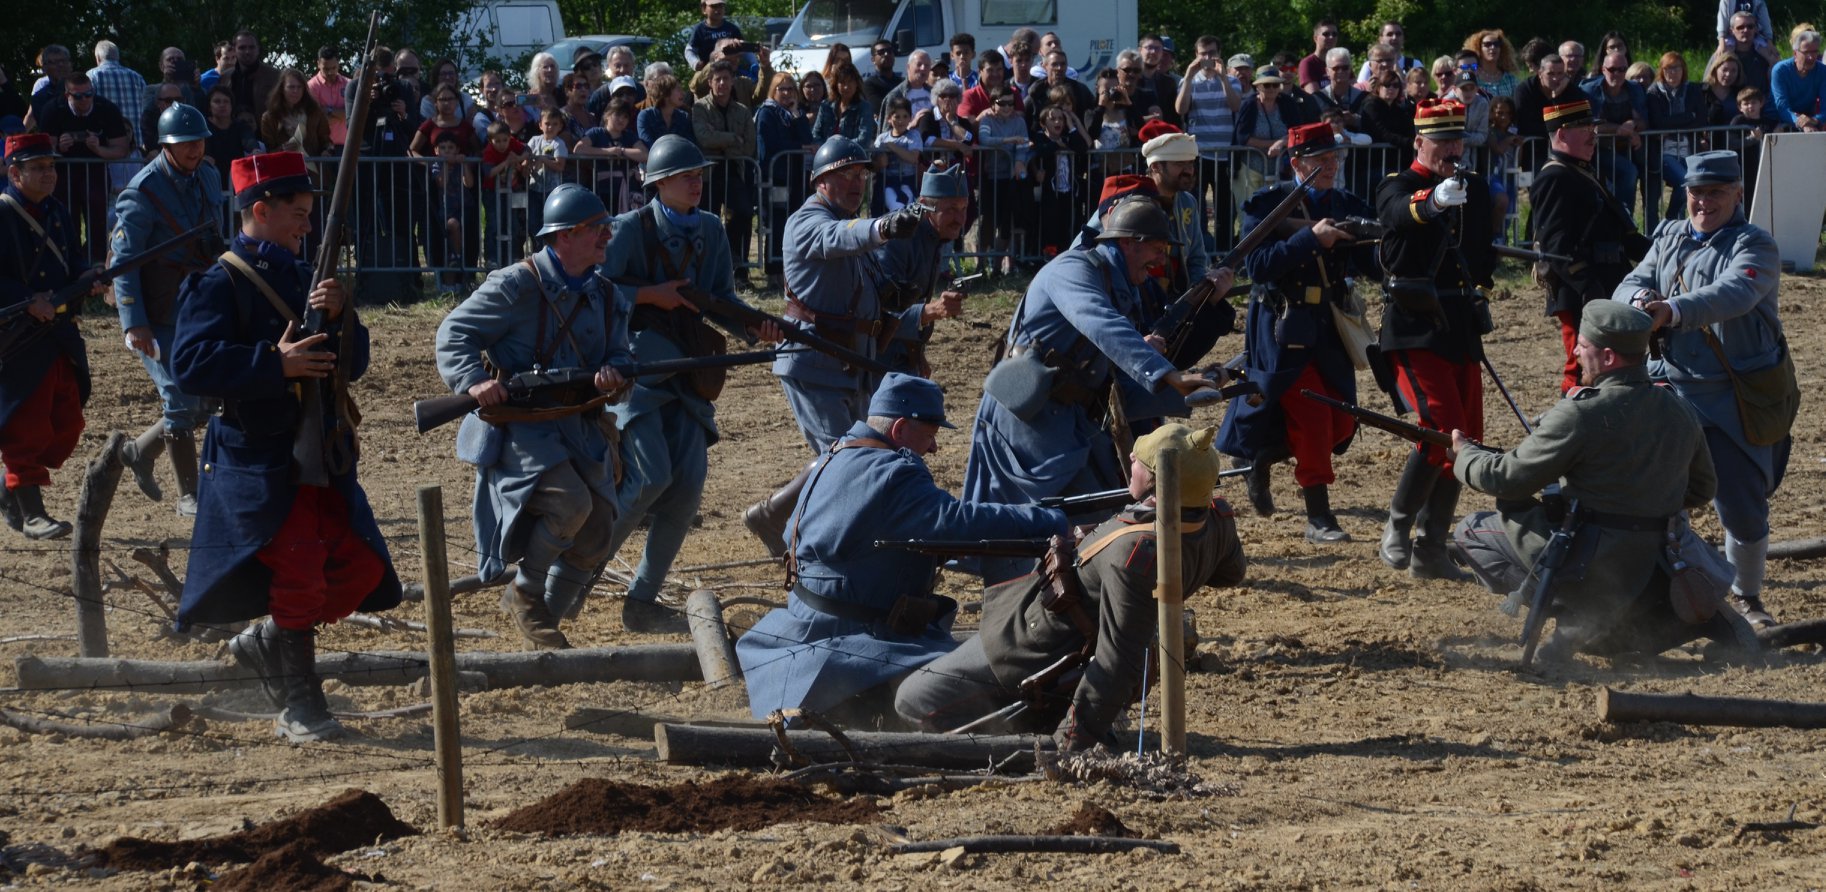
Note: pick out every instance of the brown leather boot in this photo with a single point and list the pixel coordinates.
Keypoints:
(182, 447)
(140, 455)
(767, 519)
(527, 607)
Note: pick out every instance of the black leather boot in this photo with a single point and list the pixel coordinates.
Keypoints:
(140, 455)
(1432, 554)
(306, 717)
(767, 518)
(1321, 525)
(1411, 493)
(9, 509)
(182, 447)
(257, 650)
(37, 524)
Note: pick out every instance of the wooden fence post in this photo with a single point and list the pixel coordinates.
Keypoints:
(1169, 594)
(98, 485)
(446, 734)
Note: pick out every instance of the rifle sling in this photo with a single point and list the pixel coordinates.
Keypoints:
(44, 238)
(505, 413)
(792, 543)
(347, 414)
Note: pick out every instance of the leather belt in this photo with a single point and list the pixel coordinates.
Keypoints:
(835, 322)
(1626, 522)
(839, 609)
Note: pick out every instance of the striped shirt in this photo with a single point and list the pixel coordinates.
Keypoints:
(1211, 121)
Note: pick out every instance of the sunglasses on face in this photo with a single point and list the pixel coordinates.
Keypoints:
(1616, 70)
(1491, 43)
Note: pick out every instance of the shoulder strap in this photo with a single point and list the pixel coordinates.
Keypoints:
(1086, 552)
(792, 542)
(196, 254)
(284, 310)
(37, 229)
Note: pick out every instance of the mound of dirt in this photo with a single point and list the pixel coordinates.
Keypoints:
(291, 868)
(737, 802)
(1092, 820)
(355, 818)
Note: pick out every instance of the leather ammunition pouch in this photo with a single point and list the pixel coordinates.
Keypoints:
(1030, 375)
(1413, 294)
(909, 615)
(694, 337)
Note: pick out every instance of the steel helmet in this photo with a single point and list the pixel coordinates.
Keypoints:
(837, 153)
(182, 123)
(571, 205)
(671, 155)
(1137, 216)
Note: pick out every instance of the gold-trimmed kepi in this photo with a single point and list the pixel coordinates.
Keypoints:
(1440, 119)
(1576, 113)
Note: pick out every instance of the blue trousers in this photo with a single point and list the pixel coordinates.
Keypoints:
(183, 412)
(825, 414)
(1743, 495)
(665, 459)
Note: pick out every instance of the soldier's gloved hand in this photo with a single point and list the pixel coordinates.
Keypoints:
(1450, 194)
(900, 224)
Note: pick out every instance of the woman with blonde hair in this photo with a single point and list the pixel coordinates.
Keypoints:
(1496, 64)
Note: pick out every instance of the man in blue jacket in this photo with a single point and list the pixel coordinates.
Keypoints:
(267, 542)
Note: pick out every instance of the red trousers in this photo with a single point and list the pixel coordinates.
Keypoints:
(321, 570)
(1447, 396)
(1314, 429)
(1569, 336)
(42, 432)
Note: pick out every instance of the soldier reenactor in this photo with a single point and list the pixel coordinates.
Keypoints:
(1576, 217)
(269, 544)
(830, 291)
(545, 478)
(1107, 620)
(860, 618)
(1293, 339)
(1437, 257)
(172, 194)
(911, 271)
(44, 368)
(1611, 594)
(1711, 282)
(668, 424)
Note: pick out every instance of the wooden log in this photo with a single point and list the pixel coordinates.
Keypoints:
(1692, 709)
(1169, 596)
(753, 748)
(98, 484)
(174, 716)
(159, 562)
(223, 714)
(1807, 631)
(446, 733)
(395, 624)
(1072, 845)
(715, 649)
(642, 662)
(1798, 549)
(633, 723)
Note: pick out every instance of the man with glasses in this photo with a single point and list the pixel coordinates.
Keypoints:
(1800, 83)
(1140, 90)
(1710, 283)
(545, 486)
(1312, 68)
(1573, 52)
(54, 59)
(1621, 108)
(1390, 42)
(88, 130)
(1551, 85)
(173, 193)
(251, 80)
(44, 372)
(1755, 55)
(882, 78)
(831, 292)
(1161, 79)
(1753, 36)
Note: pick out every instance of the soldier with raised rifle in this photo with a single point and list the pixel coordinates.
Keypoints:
(1293, 343)
(1071, 642)
(830, 291)
(1039, 429)
(268, 542)
(1591, 234)
(913, 282)
(1437, 258)
(1627, 498)
(859, 618)
(44, 367)
(173, 193)
(545, 475)
(663, 256)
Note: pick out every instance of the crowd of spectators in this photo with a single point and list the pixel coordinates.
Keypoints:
(1035, 136)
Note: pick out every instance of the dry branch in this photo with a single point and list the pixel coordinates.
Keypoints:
(174, 716)
(754, 748)
(1692, 709)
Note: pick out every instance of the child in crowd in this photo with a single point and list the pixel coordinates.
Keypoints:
(1003, 135)
(1504, 137)
(897, 156)
(504, 190)
(616, 151)
(1752, 112)
(546, 154)
(451, 240)
(1059, 155)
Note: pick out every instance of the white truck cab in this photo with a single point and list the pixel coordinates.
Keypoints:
(1091, 32)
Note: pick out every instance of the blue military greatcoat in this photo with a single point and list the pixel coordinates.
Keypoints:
(913, 268)
(500, 324)
(227, 347)
(1080, 307)
(826, 266)
(29, 264)
(1290, 322)
(159, 203)
(798, 656)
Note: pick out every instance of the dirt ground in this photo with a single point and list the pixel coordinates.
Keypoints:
(1374, 729)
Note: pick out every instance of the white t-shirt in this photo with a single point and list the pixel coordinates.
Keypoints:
(539, 148)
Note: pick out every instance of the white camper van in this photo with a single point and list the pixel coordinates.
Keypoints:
(505, 30)
(1091, 32)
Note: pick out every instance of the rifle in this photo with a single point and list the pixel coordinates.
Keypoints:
(575, 387)
(1175, 324)
(317, 454)
(1550, 561)
(1385, 423)
(738, 315)
(961, 547)
(1360, 230)
(1526, 427)
(1525, 254)
(15, 334)
(1110, 498)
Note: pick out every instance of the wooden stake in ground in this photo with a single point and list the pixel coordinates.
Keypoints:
(1169, 594)
(447, 737)
(1692, 709)
(715, 652)
(85, 554)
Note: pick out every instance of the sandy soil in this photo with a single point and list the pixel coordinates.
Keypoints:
(1375, 729)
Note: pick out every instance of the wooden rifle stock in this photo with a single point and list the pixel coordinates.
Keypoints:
(1176, 323)
(1385, 423)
